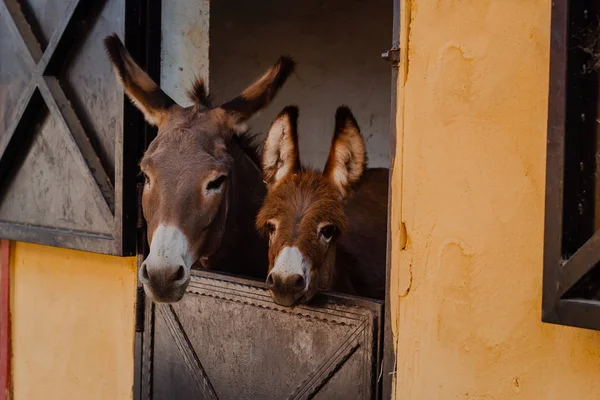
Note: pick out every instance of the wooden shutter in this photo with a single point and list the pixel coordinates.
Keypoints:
(67, 170)
(571, 294)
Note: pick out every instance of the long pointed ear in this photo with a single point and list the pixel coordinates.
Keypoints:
(347, 156)
(280, 155)
(139, 87)
(260, 94)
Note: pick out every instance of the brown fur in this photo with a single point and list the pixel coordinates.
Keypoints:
(281, 147)
(141, 89)
(346, 196)
(201, 175)
(347, 156)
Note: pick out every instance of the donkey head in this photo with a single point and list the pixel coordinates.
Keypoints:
(303, 212)
(188, 168)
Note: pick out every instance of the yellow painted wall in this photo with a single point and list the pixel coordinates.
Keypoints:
(72, 324)
(470, 174)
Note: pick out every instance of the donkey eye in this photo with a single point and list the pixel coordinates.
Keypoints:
(146, 179)
(216, 184)
(327, 232)
(271, 228)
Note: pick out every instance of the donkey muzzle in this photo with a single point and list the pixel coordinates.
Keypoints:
(289, 279)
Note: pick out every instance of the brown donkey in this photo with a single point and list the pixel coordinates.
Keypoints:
(203, 184)
(327, 231)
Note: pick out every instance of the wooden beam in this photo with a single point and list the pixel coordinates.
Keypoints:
(578, 313)
(555, 152)
(579, 264)
(19, 27)
(80, 147)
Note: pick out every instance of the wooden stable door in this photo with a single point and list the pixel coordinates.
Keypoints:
(68, 139)
(226, 339)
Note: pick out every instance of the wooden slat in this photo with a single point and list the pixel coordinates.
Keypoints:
(11, 13)
(555, 158)
(21, 31)
(192, 363)
(20, 108)
(579, 264)
(395, 235)
(74, 136)
(57, 237)
(57, 36)
(578, 313)
(329, 366)
(63, 112)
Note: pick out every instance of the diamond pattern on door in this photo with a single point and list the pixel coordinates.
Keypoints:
(61, 140)
(226, 339)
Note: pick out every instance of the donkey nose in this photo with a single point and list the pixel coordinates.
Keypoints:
(290, 283)
(144, 277)
(162, 276)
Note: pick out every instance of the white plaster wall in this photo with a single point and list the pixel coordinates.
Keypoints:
(185, 44)
(337, 45)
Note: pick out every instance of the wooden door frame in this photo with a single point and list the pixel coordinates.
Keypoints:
(389, 356)
(388, 369)
(567, 270)
(151, 59)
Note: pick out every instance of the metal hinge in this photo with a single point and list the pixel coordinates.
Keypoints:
(392, 54)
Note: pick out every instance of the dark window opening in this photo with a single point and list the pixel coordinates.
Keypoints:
(572, 231)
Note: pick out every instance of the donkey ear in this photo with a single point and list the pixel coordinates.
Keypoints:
(347, 156)
(280, 155)
(139, 87)
(260, 94)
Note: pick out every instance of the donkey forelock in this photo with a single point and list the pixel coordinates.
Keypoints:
(199, 94)
(197, 172)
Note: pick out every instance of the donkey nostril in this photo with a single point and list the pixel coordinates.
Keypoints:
(298, 283)
(180, 274)
(144, 273)
(270, 282)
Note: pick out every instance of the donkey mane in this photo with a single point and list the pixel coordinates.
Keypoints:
(250, 145)
(248, 142)
(199, 95)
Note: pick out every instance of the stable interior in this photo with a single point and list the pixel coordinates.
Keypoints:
(337, 45)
